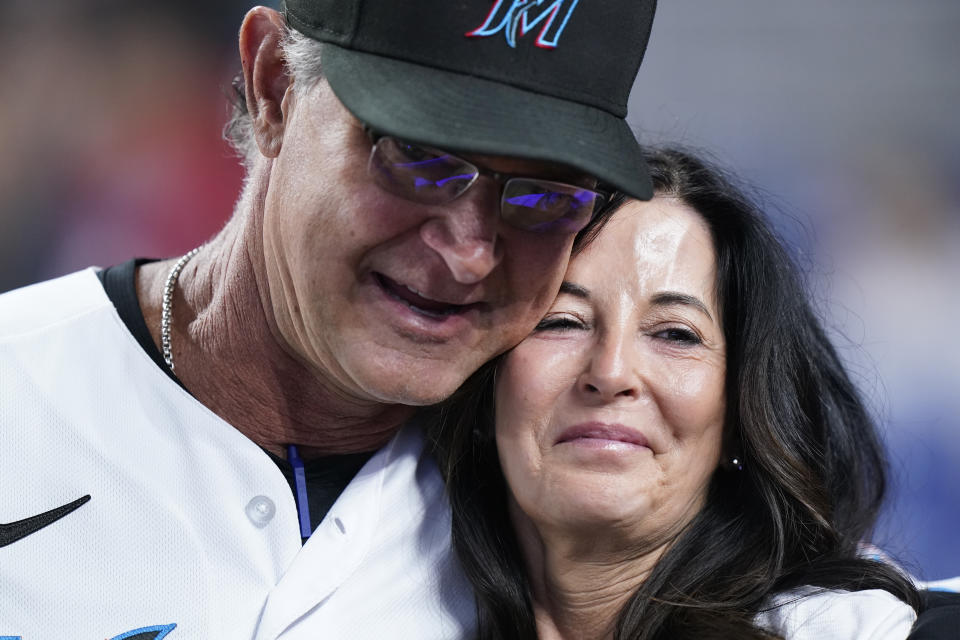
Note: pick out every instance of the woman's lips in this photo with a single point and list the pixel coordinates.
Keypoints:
(603, 435)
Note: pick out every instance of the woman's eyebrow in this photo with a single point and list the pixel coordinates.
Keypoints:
(574, 290)
(667, 298)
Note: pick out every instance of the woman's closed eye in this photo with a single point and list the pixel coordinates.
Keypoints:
(560, 322)
(681, 336)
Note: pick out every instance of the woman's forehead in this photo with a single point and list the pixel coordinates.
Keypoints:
(648, 247)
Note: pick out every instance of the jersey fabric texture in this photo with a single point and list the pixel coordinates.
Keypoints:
(190, 527)
(812, 614)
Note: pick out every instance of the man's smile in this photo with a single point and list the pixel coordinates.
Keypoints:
(418, 302)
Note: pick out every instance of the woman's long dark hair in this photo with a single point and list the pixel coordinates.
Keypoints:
(813, 475)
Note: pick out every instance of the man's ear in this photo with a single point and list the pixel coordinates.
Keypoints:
(265, 78)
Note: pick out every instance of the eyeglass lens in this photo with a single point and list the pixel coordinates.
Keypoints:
(432, 177)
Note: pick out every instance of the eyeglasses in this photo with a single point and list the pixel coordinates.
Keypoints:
(432, 177)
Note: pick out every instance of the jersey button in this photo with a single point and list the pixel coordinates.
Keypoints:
(261, 510)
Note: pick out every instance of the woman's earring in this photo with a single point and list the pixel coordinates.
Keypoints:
(735, 463)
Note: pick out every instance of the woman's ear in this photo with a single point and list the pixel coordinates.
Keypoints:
(265, 77)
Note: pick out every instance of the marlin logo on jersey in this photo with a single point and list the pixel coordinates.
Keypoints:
(519, 17)
(147, 633)
(143, 633)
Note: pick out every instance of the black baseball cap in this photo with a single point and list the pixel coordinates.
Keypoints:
(539, 79)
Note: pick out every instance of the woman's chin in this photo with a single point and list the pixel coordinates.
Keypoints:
(601, 507)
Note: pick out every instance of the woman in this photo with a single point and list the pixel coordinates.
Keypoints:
(676, 451)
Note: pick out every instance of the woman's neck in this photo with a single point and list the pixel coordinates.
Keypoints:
(581, 600)
(580, 580)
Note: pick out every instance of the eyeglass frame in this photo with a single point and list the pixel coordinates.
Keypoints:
(602, 194)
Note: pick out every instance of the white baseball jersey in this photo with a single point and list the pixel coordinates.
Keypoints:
(190, 531)
(809, 613)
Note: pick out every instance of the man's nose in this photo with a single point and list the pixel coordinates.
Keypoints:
(465, 233)
(612, 371)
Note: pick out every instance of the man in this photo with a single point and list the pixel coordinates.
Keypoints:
(224, 445)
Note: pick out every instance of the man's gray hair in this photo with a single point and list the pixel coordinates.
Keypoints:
(301, 56)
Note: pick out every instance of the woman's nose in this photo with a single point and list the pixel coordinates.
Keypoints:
(611, 372)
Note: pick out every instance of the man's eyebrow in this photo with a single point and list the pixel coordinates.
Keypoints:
(574, 290)
(667, 298)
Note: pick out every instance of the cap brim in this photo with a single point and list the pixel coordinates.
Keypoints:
(468, 114)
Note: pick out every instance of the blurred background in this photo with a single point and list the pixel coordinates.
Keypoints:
(844, 114)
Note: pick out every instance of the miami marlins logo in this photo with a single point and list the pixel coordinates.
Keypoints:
(519, 17)
(143, 633)
(147, 633)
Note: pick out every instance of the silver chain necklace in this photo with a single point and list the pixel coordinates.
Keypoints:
(166, 310)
